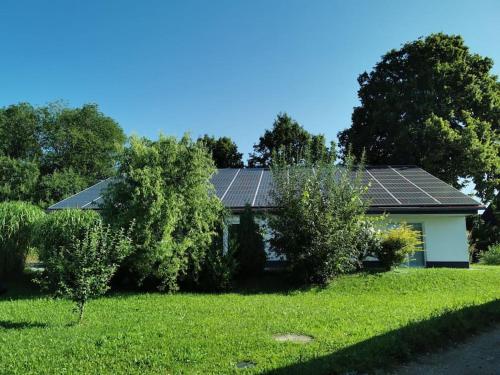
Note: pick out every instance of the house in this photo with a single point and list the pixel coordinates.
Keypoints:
(405, 193)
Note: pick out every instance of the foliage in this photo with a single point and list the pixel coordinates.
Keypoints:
(223, 150)
(56, 186)
(484, 230)
(492, 255)
(435, 104)
(83, 139)
(57, 143)
(362, 323)
(320, 219)
(59, 229)
(249, 253)
(396, 245)
(16, 225)
(18, 179)
(218, 269)
(165, 186)
(290, 141)
(82, 270)
(20, 129)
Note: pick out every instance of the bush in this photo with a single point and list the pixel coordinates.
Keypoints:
(396, 245)
(165, 186)
(320, 220)
(82, 269)
(218, 269)
(249, 251)
(18, 179)
(16, 235)
(491, 256)
(60, 228)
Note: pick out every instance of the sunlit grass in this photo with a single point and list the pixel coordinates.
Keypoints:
(210, 333)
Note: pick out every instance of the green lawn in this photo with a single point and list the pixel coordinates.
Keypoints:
(359, 322)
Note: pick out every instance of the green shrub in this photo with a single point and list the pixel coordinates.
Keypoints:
(16, 235)
(396, 245)
(60, 228)
(249, 253)
(218, 269)
(18, 179)
(82, 269)
(491, 256)
(320, 220)
(165, 186)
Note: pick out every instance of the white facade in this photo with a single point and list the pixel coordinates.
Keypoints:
(444, 237)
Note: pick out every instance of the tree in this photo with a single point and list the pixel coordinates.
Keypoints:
(58, 185)
(18, 179)
(320, 222)
(20, 129)
(82, 269)
(290, 140)
(83, 139)
(223, 150)
(165, 187)
(434, 104)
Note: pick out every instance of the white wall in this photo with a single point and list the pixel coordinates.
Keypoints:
(445, 236)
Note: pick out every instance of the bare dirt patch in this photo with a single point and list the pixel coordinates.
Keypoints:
(292, 337)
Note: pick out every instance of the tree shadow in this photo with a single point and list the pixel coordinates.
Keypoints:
(20, 289)
(5, 324)
(385, 351)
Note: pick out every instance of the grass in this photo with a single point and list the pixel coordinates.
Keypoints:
(360, 322)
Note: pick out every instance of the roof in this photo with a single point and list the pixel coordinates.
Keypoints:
(405, 189)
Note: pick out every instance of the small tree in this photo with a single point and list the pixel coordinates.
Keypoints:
(82, 270)
(249, 253)
(16, 229)
(396, 245)
(320, 222)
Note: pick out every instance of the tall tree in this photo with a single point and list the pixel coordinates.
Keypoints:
(290, 141)
(223, 150)
(20, 127)
(435, 104)
(82, 139)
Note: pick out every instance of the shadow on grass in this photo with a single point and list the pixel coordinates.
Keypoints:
(5, 324)
(399, 346)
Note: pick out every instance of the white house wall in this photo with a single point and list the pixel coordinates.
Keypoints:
(445, 237)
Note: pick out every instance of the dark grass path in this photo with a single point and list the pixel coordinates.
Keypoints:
(478, 356)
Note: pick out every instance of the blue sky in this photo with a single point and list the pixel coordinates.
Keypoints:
(218, 67)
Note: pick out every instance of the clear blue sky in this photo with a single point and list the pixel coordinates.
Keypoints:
(218, 67)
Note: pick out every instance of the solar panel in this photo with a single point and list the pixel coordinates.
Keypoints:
(388, 187)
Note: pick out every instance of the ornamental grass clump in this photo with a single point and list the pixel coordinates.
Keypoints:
(491, 256)
(16, 235)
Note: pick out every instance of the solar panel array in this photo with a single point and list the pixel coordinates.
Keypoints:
(401, 186)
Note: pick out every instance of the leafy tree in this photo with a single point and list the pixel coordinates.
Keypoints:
(20, 129)
(165, 186)
(82, 139)
(289, 140)
(223, 150)
(82, 269)
(320, 222)
(56, 186)
(16, 235)
(18, 179)
(249, 254)
(434, 104)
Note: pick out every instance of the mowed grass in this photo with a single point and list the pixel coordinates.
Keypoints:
(359, 322)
